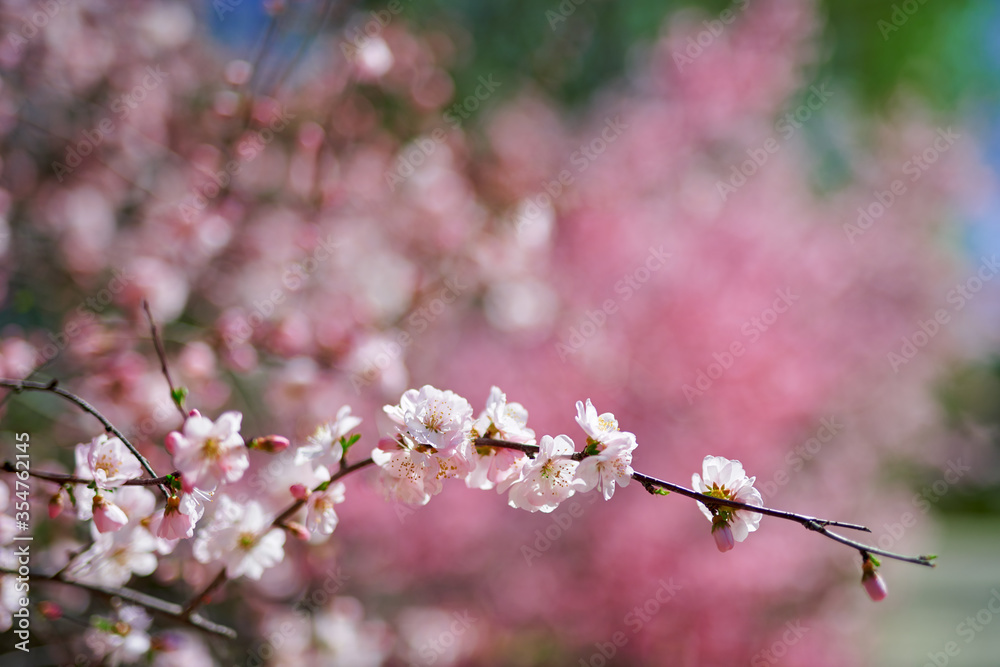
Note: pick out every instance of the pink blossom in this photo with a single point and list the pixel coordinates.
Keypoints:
(108, 462)
(208, 453)
(108, 517)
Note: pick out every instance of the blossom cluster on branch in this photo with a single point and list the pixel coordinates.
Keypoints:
(436, 438)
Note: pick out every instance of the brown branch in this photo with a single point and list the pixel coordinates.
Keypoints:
(162, 354)
(809, 522)
(60, 478)
(53, 387)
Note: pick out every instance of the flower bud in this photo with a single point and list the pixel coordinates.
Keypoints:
(298, 530)
(50, 610)
(57, 503)
(171, 441)
(873, 582)
(270, 443)
(108, 517)
(299, 491)
(723, 535)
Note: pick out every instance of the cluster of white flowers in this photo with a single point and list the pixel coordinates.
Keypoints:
(129, 531)
(437, 438)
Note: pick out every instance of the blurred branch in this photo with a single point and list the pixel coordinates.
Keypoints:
(175, 396)
(279, 522)
(161, 607)
(53, 388)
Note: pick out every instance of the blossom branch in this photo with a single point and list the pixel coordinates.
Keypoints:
(278, 522)
(811, 523)
(162, 607)
(53, 387)
(61, 478)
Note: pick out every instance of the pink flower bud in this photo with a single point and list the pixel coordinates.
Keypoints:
(108, 517)
(270, 443)
(171, 441)
(723, 535)
(50, 610)
(298, 530)
(194, 413)
(874, 583)
(57, 503)
(299, 491)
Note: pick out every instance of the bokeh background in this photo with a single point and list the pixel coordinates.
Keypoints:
(568, 200)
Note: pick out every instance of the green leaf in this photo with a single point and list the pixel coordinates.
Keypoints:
(179, 395)
(661, 492)
(347, 442)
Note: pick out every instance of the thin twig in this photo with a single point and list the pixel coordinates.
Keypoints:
(53, 388)
(162, 354)
(203, 597)
(60, 478)
(809, 522)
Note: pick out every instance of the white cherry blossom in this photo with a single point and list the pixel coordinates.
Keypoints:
(430, 416)
(324, 445)
(241, 537)
(607, 468)
(546, 480)
(722, 478)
